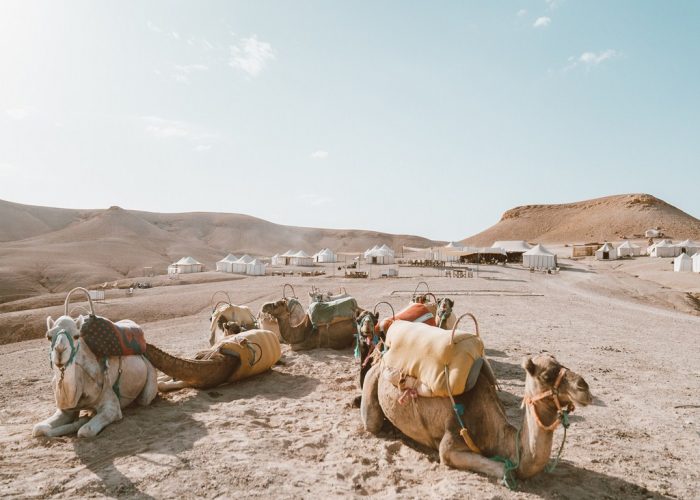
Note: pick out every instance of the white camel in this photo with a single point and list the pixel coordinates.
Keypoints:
(81, 381)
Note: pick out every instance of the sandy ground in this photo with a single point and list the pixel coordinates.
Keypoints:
(292, 433)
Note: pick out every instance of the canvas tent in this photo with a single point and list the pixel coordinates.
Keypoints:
(514, 249)
(629, 249)
(225, 263)
(301, 258)
(696, 262)
(664, 248)
(538, 257)
(278, 260)
(682, 263)
(186, 265)
(380, 256)
(325, 255)
(241, 265)
(652, 233)
(255, 268)
(689, 246)
(606, 252)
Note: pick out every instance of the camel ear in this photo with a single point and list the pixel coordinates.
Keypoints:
(79, 322)
(529, 366)
(49, 323)
(451, 302)
(376, 317)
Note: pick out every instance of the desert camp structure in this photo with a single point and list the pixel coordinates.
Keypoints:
(325, 255)
(629, 249)
(696, 262)
(606, 252)
(226, 264)
(292, 258)
(682, 263)
(538, 257)
(514, 249)
(379, 255)
(186, 265)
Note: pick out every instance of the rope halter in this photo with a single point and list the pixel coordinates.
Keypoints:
(73, 350)
(562, 412)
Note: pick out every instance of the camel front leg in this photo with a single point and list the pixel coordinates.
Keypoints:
(55, 421)
(454, 453)
(370, 410)
(171, 385)
(107, 412)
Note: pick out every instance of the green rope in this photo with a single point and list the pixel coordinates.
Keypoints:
(564, 418)
(73, 348)
(509, 466)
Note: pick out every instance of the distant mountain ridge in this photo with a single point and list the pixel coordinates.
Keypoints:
(51, 249)
(601, 219)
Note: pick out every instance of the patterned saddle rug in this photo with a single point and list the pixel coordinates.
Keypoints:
(105, 338)
(414, 312)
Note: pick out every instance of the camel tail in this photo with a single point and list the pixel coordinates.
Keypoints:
(200, 374)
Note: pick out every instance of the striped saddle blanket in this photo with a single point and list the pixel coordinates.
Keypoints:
(415, 313)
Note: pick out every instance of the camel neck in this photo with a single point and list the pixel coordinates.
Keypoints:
(535, 442)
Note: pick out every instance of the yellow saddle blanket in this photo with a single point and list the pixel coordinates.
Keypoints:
(418, 354)
(258, 350)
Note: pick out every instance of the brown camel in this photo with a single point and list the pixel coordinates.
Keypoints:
(550, 390)
(303, 336)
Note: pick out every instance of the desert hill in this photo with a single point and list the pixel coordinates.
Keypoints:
(51, 249)
(610, 218)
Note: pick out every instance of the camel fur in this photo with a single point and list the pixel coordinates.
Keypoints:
(225, 316)
(432, 421)
(85, 383)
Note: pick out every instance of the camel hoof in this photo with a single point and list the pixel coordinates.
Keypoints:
(40, 430)
(86, 432)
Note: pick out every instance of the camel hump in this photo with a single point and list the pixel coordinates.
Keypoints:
(423, 352)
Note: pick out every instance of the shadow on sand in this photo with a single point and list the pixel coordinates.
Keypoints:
(168, 427)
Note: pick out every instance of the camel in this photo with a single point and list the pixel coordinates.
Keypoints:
(304, 336)
(225, 312)
(446, 319)
(232, 358)
(81, 381)
(551, 391)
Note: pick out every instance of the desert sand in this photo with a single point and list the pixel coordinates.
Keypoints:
(292, 432)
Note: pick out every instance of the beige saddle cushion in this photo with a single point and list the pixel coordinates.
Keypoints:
(258, 350)
(422, 351)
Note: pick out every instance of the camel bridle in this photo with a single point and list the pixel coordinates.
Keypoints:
(562, 411)
(73, 350)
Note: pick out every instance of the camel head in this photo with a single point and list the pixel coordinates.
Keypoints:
(445, 307)
(275, 309)
(542, 374)
(64, 335)
(366, 322)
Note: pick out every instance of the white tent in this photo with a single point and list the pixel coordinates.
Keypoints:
(538, 257)
(652, 233)
(370, 250)
(241, 265)
(387, 249)
(225, 263)
(512, 246)
(664, 249)
(186, 265)
(325, 255)
(301, 258)
(606, 252)
(278, 260)
(379, 256)
(689, 246)
(255, 268)
(629, 249)
(682, 263)
(696, 262)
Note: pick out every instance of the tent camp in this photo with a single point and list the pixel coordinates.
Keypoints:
(538, 257)
(186, 265)
(664, 248)
(278, 260)
(325, 255)
(241, 265)
(689, 246)
(696, 262)
(606, 252)
(682, 263)
(255, 268)
(301, 258)
(225, 263)
(629, 249)
(514, 249)
(380, 256)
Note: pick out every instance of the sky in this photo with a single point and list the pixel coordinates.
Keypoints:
(428, 118)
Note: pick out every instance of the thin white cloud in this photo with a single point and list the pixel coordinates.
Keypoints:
(552, 4)
(315, 200)
(590, 59)
(522, 12)
(175, 35)
(202, 148)
(207, 45)
(19, 113)
(183, 72)
(319, 155)
(542, 22)
(153, 27)
(164, 129)
(251, 55)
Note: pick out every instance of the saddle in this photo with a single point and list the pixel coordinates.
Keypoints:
(425, 358)
(414, 312)
(327, 313)
(105, 338)
(257, 349)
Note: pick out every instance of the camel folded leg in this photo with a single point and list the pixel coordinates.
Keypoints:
(455, 453)
(171, 385)
(150, 388)
(370, 410)
(58, 420)
(109, 411)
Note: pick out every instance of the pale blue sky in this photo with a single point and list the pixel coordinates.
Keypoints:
(429, 118)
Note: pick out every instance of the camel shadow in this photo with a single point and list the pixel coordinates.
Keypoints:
(165, 428)
(507, 371)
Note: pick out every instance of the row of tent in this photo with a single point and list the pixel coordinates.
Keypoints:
(292, 258)
(685, 263)
(663, 248)
(537, 257)
(241, 265)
